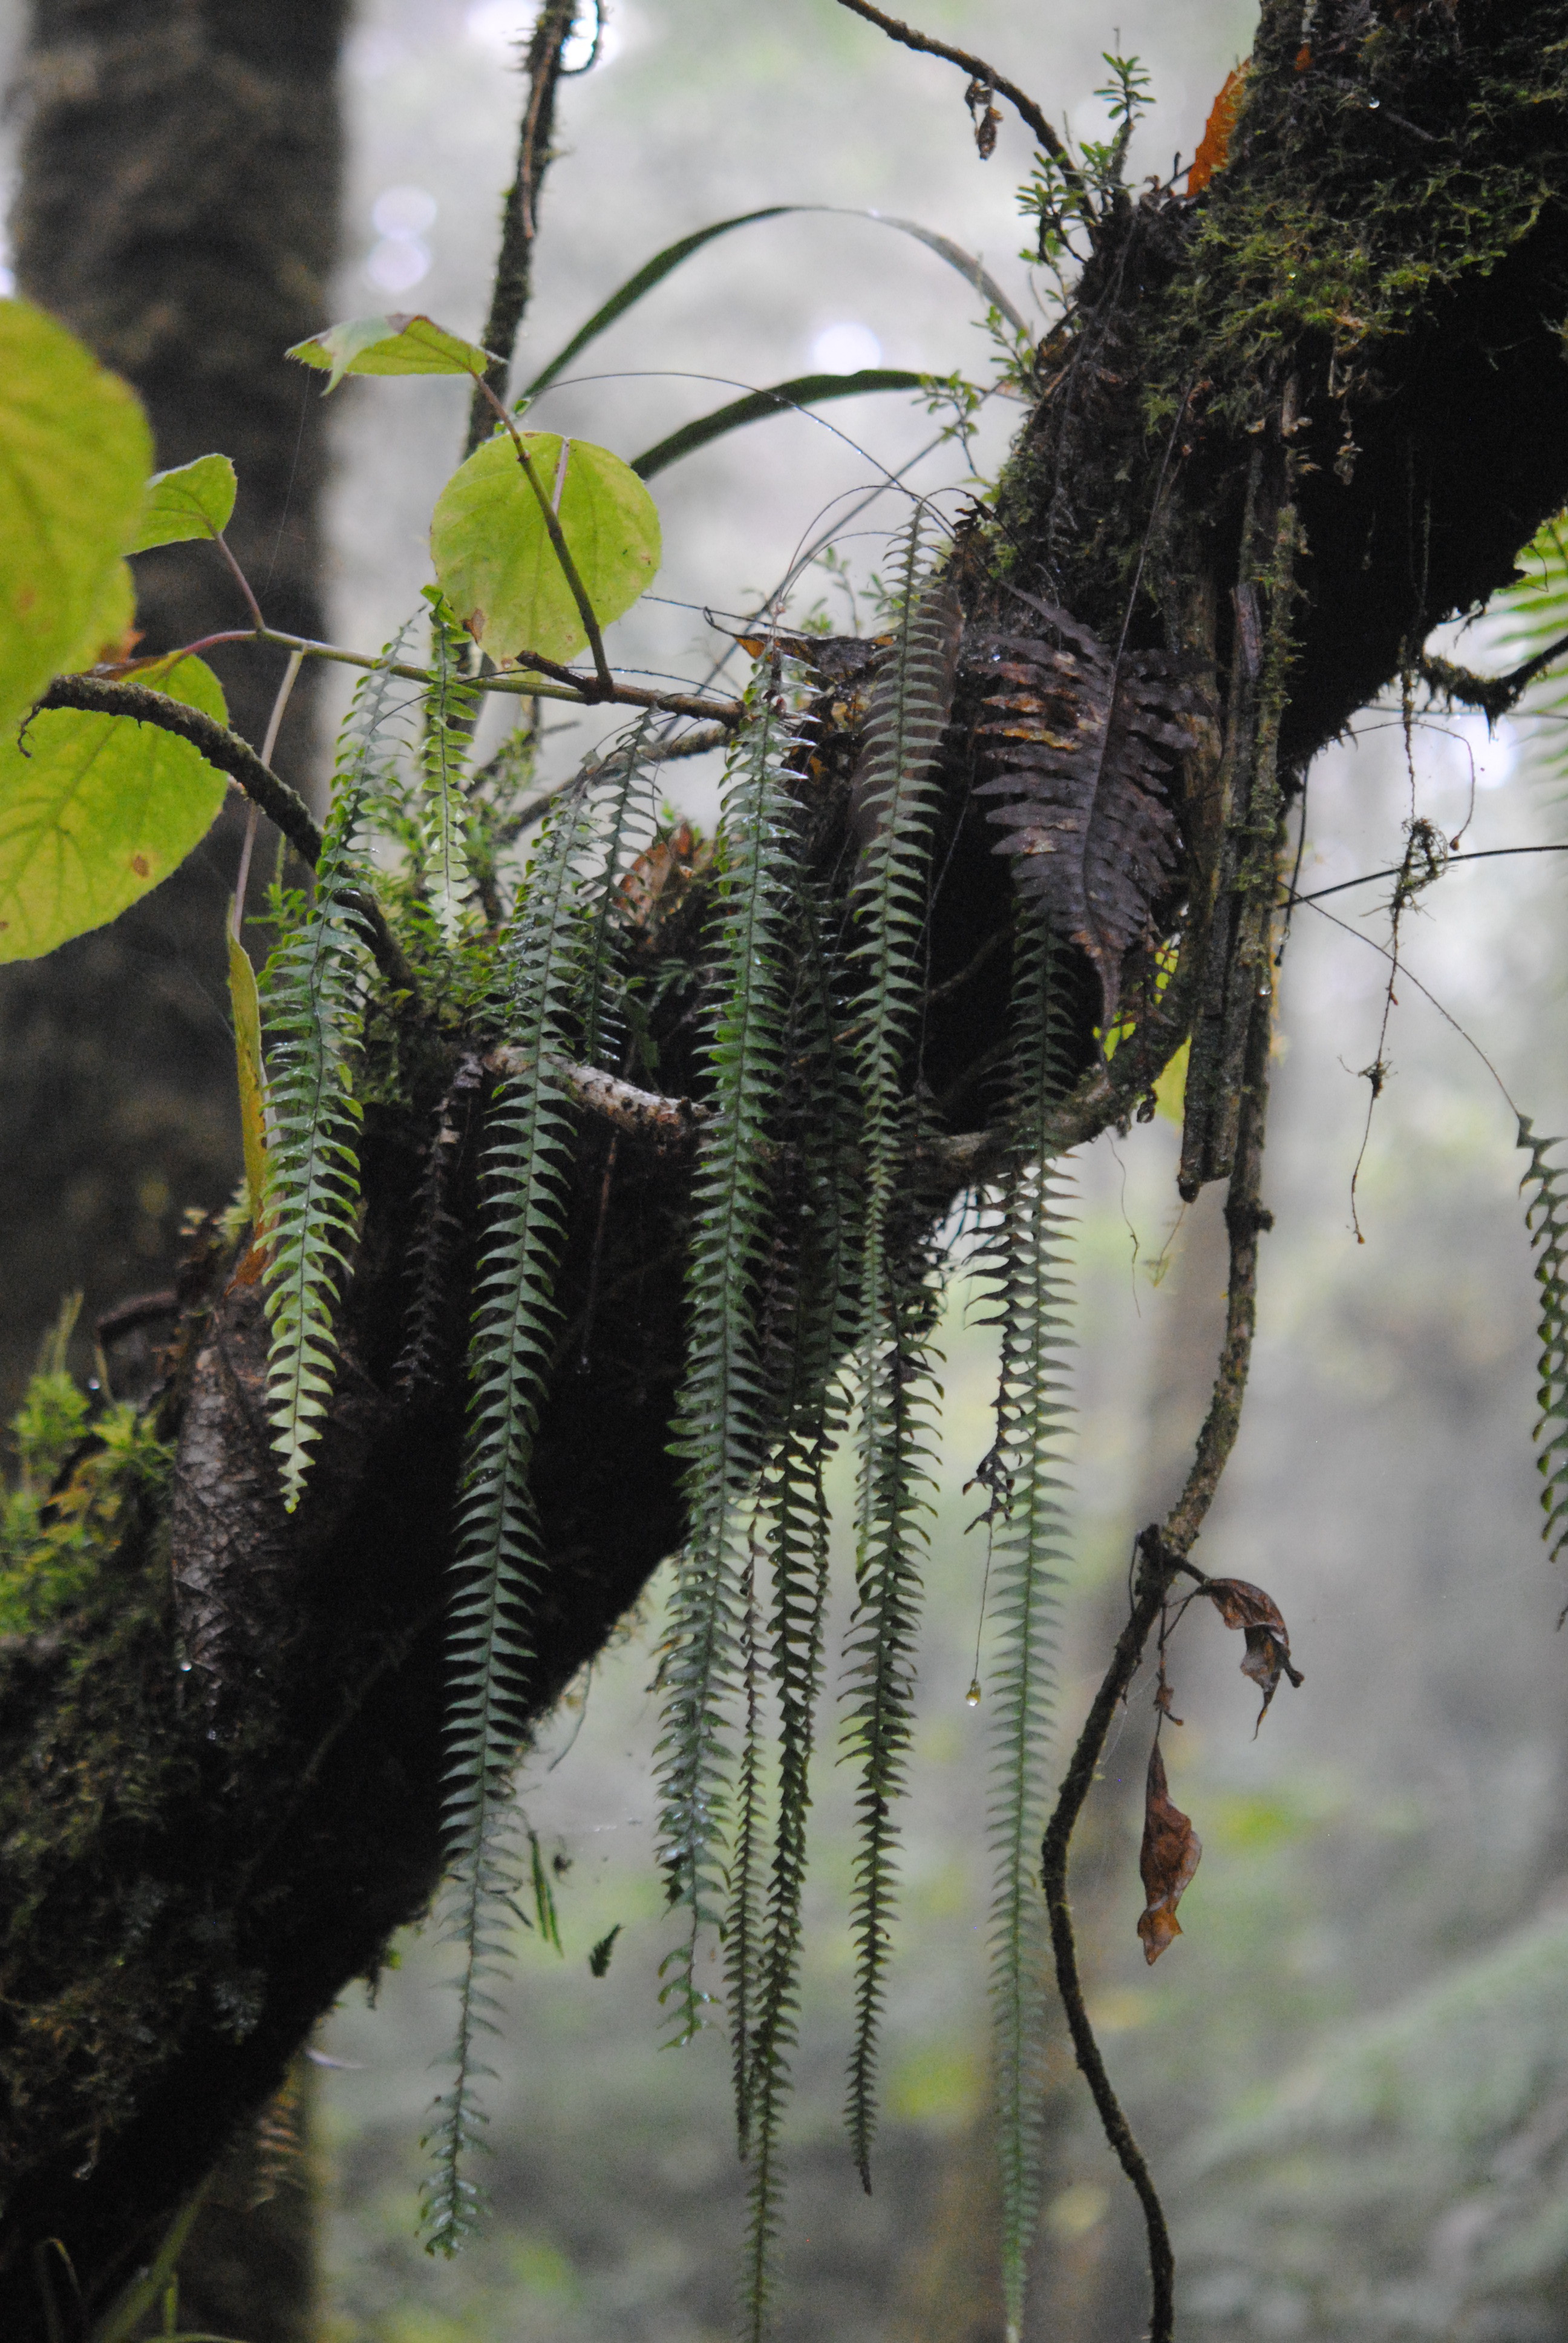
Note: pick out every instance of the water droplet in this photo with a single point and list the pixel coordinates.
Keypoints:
(972, 1697)
(185, 1668)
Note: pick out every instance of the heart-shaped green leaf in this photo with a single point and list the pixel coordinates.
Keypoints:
(195, 499)
(94, 810)
(74, 452)
(397, 344)
(493, 554)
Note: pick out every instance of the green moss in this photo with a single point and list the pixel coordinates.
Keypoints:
(1364, 187)
(71, 1490)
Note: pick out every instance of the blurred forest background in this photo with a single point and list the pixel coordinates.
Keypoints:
(1353, 2071)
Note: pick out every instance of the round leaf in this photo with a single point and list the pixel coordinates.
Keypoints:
(110, 632)
(493, 555)
(74, 451)
(397, 344)
(94, 810)
(195, 499)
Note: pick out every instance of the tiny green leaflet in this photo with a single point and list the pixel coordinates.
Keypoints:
(74, 452)
(493, 555)
(194, 500)
(399, 343)
(94, 810)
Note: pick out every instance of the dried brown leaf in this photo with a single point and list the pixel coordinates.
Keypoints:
(1257, 1614)
(1171, 1854)
(1085, 742)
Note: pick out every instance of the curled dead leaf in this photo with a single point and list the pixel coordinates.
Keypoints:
(1257, 1614)
(1171, 1854)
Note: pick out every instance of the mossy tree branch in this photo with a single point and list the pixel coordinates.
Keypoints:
(198, 1859)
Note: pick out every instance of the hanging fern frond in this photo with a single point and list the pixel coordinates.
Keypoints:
(810, 1326)
(451, 709)
(316, 983)
(1546, 1218)
(1027, 1526)
(719, 1426)
(526, 1171)
(1084, 743)
(894, 806)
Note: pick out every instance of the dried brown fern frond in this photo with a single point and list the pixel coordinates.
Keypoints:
(1084, 740)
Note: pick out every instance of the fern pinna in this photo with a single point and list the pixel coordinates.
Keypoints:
(719, 1424)
(894, 806)
(525, 1169)
(451, 708)
(807, 1326)
(1546, 1217)
(1027, 1525)
(317, 985)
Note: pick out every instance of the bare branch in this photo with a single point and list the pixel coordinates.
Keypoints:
(978, 70)
(515, 261)
(96, 695)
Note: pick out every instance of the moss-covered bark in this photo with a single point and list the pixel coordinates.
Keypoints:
(1287, 429)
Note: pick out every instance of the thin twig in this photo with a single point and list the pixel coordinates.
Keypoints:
(1493, 695)
(1162, 1551)
(641, 1114)
(97, 695)
(978, 70)
(515, 261)
(577, 690)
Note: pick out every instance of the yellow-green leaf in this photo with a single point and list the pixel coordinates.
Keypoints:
(110, 630)
(399, 343)
(74, 451)
(494, 560)
(94, 810)
(246, 1002)
(195, 499)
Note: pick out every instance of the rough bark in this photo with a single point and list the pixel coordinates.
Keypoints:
(203, 1856)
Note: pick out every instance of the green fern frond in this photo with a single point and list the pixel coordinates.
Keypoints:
(719, 1427)
(1546, 1218)
(451, 708)
(526, 1171)
(317, 984)
(896, 798)
(810, 1326)
(1027, 1524)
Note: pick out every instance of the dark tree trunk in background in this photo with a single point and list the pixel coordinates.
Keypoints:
(178, 210)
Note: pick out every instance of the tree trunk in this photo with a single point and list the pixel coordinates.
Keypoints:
(177, 208)
(1286, 430)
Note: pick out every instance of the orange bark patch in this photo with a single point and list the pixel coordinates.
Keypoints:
(1214, 146)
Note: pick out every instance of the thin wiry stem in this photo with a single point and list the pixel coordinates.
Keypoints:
(978, 70)
(1162, 1551)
